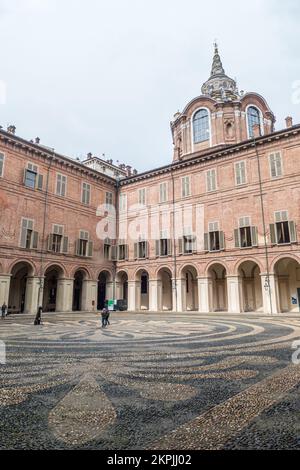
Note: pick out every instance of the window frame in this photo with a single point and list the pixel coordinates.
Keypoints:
(194, 142)
(83, 191)
(236, 164)
(183, 186)
(273, 154)
(2, 157)
(216, 180)
(65, 184)
(261, 121)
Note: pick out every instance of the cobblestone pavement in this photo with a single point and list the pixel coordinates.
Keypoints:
(163, 381)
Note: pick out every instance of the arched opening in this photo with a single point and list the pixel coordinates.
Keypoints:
(122, 290)
(103, 291)
(164, 290)
(218, 300)
(201, 126)
(287, 272)
(189, 289)
(79, 277)
(250, 288)
(18, 301)
(142, 290)
(51, 288)
(253, 117)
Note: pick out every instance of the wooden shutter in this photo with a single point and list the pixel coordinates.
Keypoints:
(50, 241)
(77, 247)
(273, 234)
(293, 234)
(194, 244)
(146, 249)
(40, 179)
(169, 247)
(23, 233)
(113, 252)
(180, 246)
(237, 242)
(34, 240)
(65, 245)
(254, 240)
(126, 252)
(222, 240)
(136, 250)
(206, 242)
(157, 246)
(90, 249)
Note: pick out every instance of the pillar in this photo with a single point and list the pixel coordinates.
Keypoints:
(203, 294)
(177, 294)
(34, 291)
(269, 293)
(233, 294)
(132, 296)
(64, 297)
(153, 295)
(110, 291)
(4, 288)
(89, 295)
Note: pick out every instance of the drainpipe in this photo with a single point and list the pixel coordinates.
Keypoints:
(117, 237)
(174, 240)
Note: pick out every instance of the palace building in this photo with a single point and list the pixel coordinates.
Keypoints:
(216, 230)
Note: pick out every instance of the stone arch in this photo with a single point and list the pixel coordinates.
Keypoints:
(81, 274)
(287, 283)
(280, 257)
(122, 289)
(249, 258)
(20, 298)
(250, 287)
(164, 289)
(52, 288)
(211, 263)
(105, 288)
(217, 287)
(86, 272)
(142, 289)
(189, 287)
(32, 266)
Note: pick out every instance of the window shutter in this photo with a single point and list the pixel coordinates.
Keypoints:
(146, 249)
(24, 176)
(180, 246)
(273, 234)
(40, 179)
(77, 247)
(23, 233)
(50, 241)
(157, 250)
(126, 252)
(34, 240)
(135, 250)
(206, 242)
(65, 245)
(113, 252)
(90, 249)
(194, 244)
(169, 247)
(222, 240)
(254, 236)
(237, 242)
(293, 235)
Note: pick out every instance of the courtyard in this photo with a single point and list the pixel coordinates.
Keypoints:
(150, 381)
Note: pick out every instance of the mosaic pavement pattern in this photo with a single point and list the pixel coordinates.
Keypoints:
(150, 381)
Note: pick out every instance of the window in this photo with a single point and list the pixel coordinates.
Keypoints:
(163, 189)
(141, 249)
(123, 202)
(142, 196)
(86, 193)
(253, 115)
(201, 126)
(106, 248)
(122, 250)
(275, 165)
(246, 235)
(61, 184)
(1, 163)
(284, 230)
(56, 240)
(32, 179)
(187, 244)
(163, 245)
(211, 180)
(29, 238)
(185, 186)
(214, 240)
(240, 173)
(108, 200)
(84, 247)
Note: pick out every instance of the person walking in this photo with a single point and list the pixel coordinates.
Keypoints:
(38, 317)
(4, 310)
(104, 315)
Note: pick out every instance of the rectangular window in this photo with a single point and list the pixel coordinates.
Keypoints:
(285, 231)
(185, 186)
(123, 202)
(122, 251)
(32, 179)
(211, 180)
(1, 163)
(29, 238)
(86, 193)
(163, 188)
(275, 165)
(58, 232)
(61, 184)
(214, 236)
(240, 173)
(84, 247)
(142, 249)
(108, 200)
(142, 196)
(246, 235)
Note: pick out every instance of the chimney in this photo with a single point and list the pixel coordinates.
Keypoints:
(289, 121)
(11, 129)
(37, 140)
(89, 155)
(256, 130)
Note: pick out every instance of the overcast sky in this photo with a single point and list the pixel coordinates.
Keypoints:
(107, 76)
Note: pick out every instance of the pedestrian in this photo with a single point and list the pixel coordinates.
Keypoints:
(38, 317)
(107, 317)
(4, 310)
(104, 317)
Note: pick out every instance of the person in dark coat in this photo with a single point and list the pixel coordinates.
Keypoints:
(105, 317)
(4, 310)
(38, 317)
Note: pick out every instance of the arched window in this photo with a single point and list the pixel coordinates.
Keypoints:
(253, 118)
(201, 126)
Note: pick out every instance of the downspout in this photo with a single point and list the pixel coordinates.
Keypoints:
(117, 238)
(174, 240)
